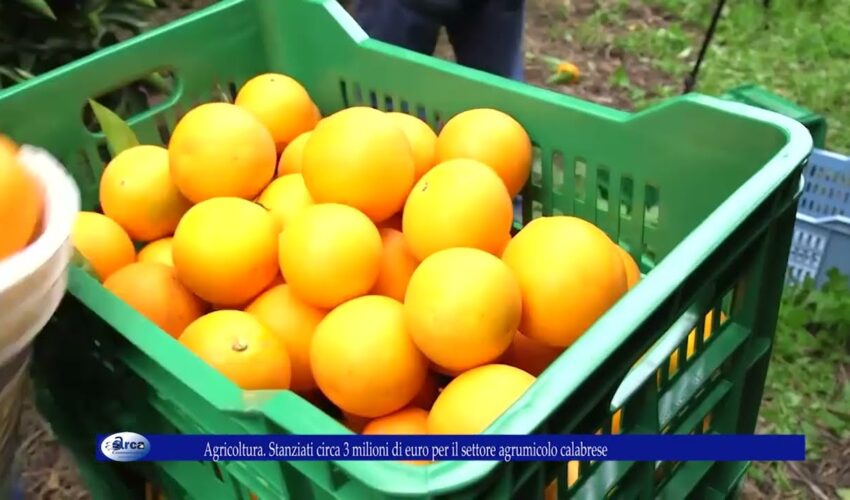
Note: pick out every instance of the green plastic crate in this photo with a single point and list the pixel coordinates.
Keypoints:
(755, 95)
(725, 176)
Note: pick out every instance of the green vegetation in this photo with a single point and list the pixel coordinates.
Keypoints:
(39, 35)
(799, 50)
(808, 382)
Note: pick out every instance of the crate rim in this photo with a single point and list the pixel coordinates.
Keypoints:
(832, 223)
(527, 413)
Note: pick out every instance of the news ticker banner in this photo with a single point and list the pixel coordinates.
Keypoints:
(130, 446)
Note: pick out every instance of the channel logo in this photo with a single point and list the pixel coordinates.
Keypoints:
(125, 447)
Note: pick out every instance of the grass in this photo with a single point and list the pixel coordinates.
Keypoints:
(807, 389)
(799, 49)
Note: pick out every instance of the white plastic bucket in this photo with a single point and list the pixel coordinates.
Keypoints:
(32, 283)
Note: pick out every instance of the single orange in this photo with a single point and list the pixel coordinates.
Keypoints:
(445, 372)
(103, 243)
(422, 140)
(462, 308)
(507, 239)
(240, 347)
(320, 401)
(359, 157)
(570, 275)
(472, 401)
(407, 421)
(221, 150)
(330, 253)
(397, 265)
(8, 146)
(278, 280)
(281, 103)
(136, 191)
(459, 203)
(290, 160)
(630, 266)
(284, 197)
(428, 394)
(363, 359)
(294, 321)
(353, 422)
(491, 137)
(225, 250)
(154, 290)
(551, 491)
(530, 355)
(21, 202)
(393, 222)
(157, 251)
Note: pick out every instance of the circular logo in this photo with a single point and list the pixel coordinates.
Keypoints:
(125, 446)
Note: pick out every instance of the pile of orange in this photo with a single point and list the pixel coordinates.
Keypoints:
(359, 259)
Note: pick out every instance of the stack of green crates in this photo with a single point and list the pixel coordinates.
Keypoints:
(726, 178)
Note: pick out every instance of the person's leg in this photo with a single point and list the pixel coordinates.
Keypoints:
(392, 21)
(489, 37)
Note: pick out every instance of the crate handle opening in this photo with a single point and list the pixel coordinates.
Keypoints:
(135, 98)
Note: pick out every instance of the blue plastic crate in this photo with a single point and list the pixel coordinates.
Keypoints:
(822, 234)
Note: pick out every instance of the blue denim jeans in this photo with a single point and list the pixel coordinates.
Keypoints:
(488, 38)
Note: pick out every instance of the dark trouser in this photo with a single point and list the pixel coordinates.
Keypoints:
(488, 38)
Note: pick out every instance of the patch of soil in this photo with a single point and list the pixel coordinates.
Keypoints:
(547, 24)
(821, 478)
(597, 64)
(175, 9)
(48, 471)
(827, 475)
